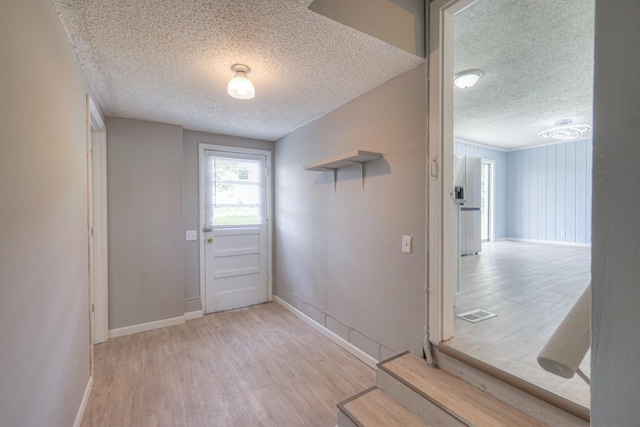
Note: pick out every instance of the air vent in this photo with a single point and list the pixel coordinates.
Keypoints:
(477, 315)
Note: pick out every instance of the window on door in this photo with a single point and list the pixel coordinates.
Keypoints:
(235, 195)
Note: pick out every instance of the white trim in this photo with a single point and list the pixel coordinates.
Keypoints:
(549, 242)
(492, 198)
(97, 122)
(440, 134)
(230, 149)
(100, 238)
(99, 249)
(526, 147)
(190, 315)
(83, 403)
(364, 357)
(477, 144)
(546, 144)
(143, 327)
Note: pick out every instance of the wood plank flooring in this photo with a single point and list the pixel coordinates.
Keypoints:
(258, 366)
(467, 403)
(375, 409)
(531, 287)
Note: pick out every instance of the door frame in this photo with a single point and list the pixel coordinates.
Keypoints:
(440, 161)
(97, 222)
(237, 150)
(491, 203)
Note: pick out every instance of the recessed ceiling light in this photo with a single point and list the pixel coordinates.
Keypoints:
(565, 133)
(466, 79)
(240, 86)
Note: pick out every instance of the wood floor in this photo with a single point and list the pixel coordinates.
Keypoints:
(531, 287)
(258, 366)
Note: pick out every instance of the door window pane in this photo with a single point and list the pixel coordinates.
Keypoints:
(233, 192)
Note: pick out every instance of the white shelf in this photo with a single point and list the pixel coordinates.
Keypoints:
(348, 159)
(357, 157)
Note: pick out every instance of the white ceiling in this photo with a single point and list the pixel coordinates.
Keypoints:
(169, 61)
(537, 59)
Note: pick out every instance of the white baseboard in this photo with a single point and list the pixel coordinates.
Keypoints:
(549, 242)
(83, 403)
(193, 315)
(149, 326)
(364, 357)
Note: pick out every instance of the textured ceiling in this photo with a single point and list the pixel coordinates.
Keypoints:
(537, 59)
(169, 61)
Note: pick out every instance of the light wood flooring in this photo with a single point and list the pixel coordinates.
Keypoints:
(531, 287)
(259, 366)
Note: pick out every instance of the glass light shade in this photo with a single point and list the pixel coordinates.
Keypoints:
(241, 87)
(467, 78)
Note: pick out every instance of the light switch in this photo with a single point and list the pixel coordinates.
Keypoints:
(406, 244)
(191, 235)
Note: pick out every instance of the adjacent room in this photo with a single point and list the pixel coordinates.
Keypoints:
(231, 213)
(524, 155)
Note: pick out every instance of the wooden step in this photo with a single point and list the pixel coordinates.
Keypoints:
(469, 405)
(373, 408)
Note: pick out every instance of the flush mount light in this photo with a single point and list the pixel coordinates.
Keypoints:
(240, 86)
(466, 79)
(565, 130)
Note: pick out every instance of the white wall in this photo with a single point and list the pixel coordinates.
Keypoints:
(44, 301)
(338, 254)
(616, 235)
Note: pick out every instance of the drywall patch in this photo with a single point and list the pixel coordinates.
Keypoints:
(364, 343)
(337, 327)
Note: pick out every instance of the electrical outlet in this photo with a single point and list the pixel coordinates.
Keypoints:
(191, 235)
(406, 244)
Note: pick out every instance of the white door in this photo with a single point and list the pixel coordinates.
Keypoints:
(235, 230)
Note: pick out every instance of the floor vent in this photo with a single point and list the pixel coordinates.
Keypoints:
(474, 316)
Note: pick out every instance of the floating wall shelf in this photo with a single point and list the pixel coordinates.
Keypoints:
(351, 158)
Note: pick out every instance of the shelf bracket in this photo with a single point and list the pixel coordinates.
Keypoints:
(362, 167)
(335, 180)
(358, 156)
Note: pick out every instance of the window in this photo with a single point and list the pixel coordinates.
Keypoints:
(234, 196)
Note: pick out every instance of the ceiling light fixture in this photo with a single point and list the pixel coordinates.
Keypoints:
(466, 79)
(565, 132)
(240, 86)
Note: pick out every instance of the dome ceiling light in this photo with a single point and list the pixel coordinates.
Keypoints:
(240, 86)
(466, 79)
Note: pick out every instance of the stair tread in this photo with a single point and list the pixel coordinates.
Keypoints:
(465, 402)
(374, 408)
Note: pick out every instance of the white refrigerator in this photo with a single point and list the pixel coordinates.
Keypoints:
(467, 172)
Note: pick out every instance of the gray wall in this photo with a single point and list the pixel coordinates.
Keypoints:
(146, 240)
(338, 255)
(190, 207)
(616, 234)
(44, 310)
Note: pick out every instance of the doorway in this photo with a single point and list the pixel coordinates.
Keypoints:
(97, 221)
(531, 188)
(235, 233)
(486, 201)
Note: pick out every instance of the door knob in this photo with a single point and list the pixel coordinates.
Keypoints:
(209, 239)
